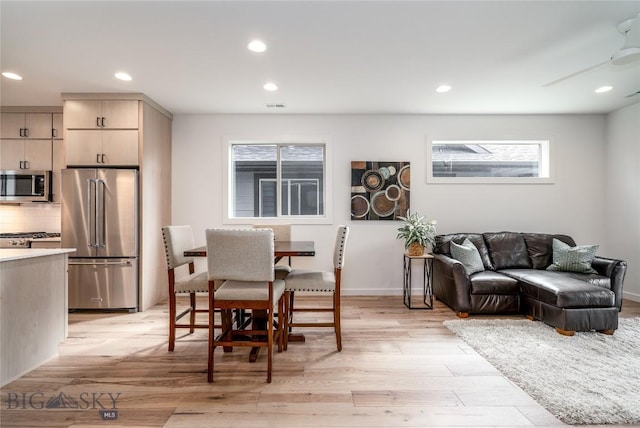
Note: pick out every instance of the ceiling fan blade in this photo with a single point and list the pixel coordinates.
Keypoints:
(633, 94)
(575, 74)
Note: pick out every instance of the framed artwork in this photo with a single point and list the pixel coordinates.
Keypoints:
(379, 190)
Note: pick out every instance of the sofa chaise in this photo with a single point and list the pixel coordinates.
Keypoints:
(527, 273)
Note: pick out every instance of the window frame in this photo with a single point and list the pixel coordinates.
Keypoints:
(546, 165)
(228, 180)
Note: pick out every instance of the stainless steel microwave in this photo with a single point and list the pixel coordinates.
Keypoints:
(25, 186)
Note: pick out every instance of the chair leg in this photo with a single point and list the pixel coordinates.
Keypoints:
(336, 320)
(172, 321)
(269, 343)
(287, 315)
(192, 315)
(281, 322)
(292, 295)
(211, 332)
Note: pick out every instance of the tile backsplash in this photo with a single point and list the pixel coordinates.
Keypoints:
(30, 218)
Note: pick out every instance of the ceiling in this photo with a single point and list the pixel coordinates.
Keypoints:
(342, 57)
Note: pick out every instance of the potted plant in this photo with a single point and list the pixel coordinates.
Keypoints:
(416, 233)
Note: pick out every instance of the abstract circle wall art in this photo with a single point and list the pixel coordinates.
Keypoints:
(379, 190)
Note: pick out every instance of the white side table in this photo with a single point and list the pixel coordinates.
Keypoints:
(427, 288)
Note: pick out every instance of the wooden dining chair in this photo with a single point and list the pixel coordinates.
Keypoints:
(245, 257)
(317, 282)
(281, 232)
(183, 279)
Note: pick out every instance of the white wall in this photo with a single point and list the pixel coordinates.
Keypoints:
(573, 205)
(623, 193)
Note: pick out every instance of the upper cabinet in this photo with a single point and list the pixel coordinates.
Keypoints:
(34, 155)
(101, 132)
(101, 114)
(26, 125)
(57, 131)
(102, 148)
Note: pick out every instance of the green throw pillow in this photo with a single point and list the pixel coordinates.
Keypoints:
(467, 254)
(572, 259)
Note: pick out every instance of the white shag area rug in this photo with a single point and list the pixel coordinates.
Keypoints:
(589, 378)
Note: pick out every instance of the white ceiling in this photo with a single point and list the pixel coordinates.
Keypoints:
(325, 56)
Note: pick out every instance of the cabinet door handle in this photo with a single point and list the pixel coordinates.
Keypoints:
(26, 132)
(26, 164)
(102, 157)
(21, 164)
(102, 122)
(54, 132)
(97, 157)
(22, 132)
(97, 122)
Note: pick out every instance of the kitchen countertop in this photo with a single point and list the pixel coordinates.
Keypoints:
(7, 254)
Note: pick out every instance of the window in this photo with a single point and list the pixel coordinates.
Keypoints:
(276, 179)
(488, 161)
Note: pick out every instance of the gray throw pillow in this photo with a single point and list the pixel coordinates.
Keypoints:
(572, 259)
(467, 254)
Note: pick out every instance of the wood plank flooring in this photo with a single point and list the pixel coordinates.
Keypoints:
(398, 368)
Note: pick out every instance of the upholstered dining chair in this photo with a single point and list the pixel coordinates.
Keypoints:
(315, 282)
(281, 232)
(245, 258)
(177, 239)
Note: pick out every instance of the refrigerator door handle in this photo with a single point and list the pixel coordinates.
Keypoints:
(91, 215)
(101, 233)
(101, 263)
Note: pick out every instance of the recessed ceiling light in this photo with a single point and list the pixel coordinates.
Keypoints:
(122, 76)
(12, 76)
(257, 46)
(443, 88)
(603, 89)
(270, 86)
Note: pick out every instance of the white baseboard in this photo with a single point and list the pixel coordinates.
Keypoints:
(631, 296)
(374, 292)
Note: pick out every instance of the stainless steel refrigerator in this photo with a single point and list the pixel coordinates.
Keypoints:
(100, 220)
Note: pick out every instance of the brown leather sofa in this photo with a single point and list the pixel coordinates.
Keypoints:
(515, 280)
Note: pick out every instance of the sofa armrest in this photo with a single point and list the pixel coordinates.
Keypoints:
(451, 283)
(615, 270)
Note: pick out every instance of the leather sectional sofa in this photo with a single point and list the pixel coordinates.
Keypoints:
(515, 279)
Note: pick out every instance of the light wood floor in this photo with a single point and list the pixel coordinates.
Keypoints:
(398, 367)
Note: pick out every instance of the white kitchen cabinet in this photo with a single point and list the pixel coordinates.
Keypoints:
(26, 154)
(57, 131)
(101, 114)
(26, 125)
(101, 147)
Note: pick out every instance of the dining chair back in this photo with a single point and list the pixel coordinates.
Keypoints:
(317, 282)
(245, 258)
(183, 279)
(281, 232)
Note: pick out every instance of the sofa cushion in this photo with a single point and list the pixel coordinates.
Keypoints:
(490, 282)
(572, 259)
(467, 254)
(561, 290)
(507, 250)
(443, 245)
(539, 246)
(591, 278)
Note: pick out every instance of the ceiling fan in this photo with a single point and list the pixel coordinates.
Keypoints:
(628, 53)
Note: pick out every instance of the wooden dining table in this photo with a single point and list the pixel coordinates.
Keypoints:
(281, 249)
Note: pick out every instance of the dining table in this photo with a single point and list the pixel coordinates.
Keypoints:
(281, 249)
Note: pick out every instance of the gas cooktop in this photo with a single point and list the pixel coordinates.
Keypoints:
(23, 239)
